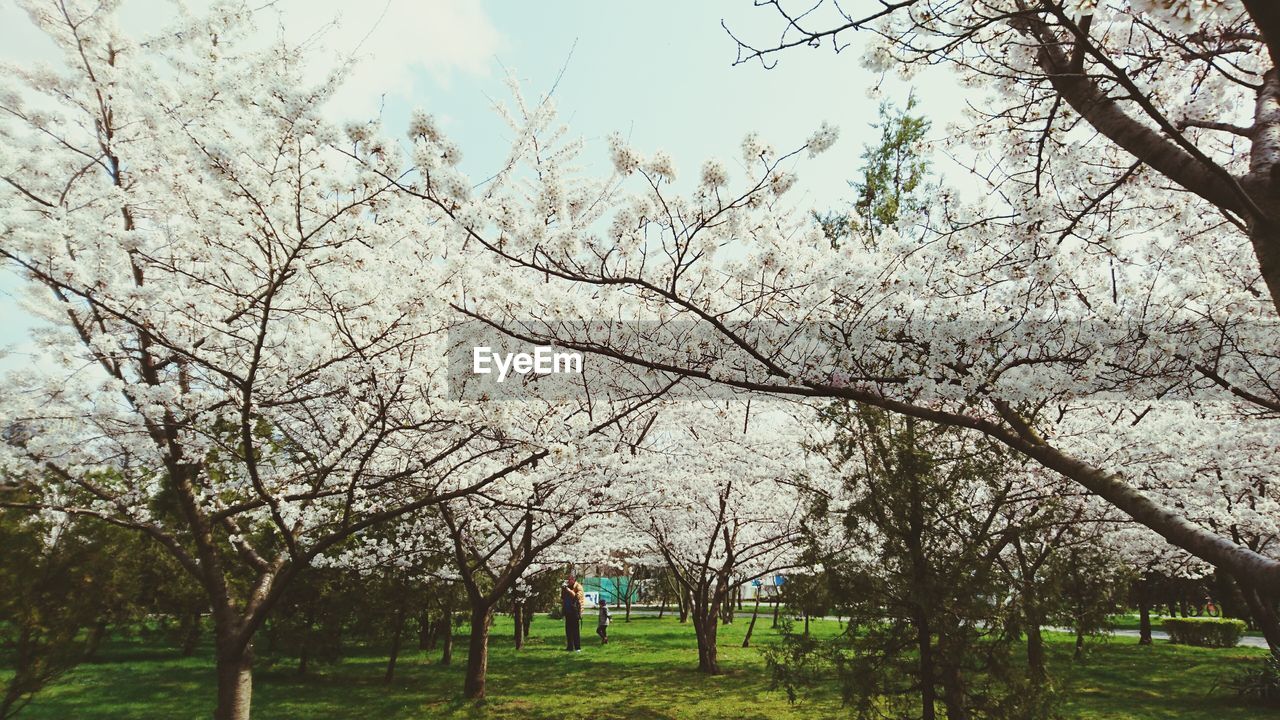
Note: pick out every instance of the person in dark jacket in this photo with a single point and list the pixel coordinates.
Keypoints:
(571, 602)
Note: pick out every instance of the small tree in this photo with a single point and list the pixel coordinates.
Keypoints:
(919, 520)
(893, 179)
(723, 511)
(313, 617)
(64, 581)
(1091, 589)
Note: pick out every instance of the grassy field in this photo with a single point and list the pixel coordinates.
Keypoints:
(645, 672)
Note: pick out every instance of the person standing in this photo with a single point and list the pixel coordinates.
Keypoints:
(571, 602)
(602, 625)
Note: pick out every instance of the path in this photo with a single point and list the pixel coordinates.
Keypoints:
(1246, 641)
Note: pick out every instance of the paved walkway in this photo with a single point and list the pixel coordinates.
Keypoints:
(1246, 641)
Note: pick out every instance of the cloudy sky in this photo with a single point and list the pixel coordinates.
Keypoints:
(659, 71)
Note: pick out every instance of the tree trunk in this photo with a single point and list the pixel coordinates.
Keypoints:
(477, 653)
(1079, 642)
(1035, 651)
(928, 686)
(96, 633)
(662, 609)
(526, 622)
(685, 601)
(235, 680)
(705, 627)
(954, 695)
(777, 605)
(1263, 234)
(11, 697)
(446, 628)
(517, 617)
(191, 640)
(1263, 610)
(1144, 619)
(755, 613)
(425, 639)
(304, 655)
(397, 634)
(1230, 601)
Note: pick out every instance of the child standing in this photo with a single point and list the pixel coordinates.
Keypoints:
(602, 626)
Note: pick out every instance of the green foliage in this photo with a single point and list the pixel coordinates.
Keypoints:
(1204, 632)
(64, 582)
(808, 594)
(309, 621)
(325, 611)
(915, 573)
(544, 591)
(893, 171)
(642, 675)
(893, 182)
(1259, 683)
(798, 661)
(1085, 587)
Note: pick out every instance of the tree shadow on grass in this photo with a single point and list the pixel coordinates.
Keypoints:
(646, 671)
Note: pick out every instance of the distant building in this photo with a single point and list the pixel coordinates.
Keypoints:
(613, 590)
(766, 588)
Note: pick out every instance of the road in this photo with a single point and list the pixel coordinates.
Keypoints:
(1247, 641)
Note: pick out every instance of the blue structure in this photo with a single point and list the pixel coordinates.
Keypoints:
(613, 590)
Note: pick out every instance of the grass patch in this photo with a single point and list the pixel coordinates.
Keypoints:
(646, 671)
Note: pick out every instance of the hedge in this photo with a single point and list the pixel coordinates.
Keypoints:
(1204, 632)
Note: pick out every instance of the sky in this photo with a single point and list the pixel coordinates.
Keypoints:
(660, 72)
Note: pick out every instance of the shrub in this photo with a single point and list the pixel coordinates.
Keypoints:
(1259, 683)
(1204, 632)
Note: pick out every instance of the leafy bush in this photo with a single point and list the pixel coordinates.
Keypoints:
(1204, 632)
(1259, 683)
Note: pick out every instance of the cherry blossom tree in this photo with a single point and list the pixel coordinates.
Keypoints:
(225, 367)
(497, 540)
(1063, 322)
(1180, 98)
(228, 370)
(501, 537)
(721, 508)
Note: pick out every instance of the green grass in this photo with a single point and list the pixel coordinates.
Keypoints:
(645, 672)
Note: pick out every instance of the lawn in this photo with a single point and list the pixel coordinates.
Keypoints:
(646, 672)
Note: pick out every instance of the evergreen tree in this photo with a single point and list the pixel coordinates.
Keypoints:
(893, 180)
